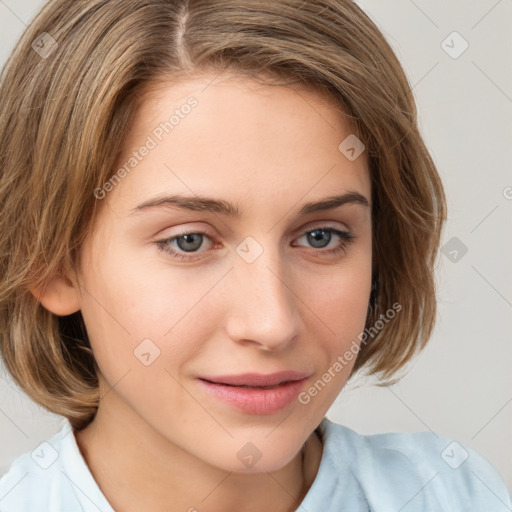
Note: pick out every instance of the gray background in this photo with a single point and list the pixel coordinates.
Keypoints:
(461, 385)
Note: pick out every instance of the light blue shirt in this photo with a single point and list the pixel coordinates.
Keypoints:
(406, 472)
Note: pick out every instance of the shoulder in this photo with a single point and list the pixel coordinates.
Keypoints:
(36, 480)
(421, 470)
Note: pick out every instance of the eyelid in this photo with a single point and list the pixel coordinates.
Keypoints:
(310, 226)
(318, 224)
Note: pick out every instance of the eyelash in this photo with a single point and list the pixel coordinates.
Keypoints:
(346, 239)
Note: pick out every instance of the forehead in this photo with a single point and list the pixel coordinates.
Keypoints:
(243, 141)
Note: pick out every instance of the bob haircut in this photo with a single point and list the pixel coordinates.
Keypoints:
(66, 105)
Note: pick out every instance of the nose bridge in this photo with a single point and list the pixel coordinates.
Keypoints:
(262, 306)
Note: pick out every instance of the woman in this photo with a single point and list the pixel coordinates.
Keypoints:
(280, 140)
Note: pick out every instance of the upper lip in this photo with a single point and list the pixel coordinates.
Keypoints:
(257, 379)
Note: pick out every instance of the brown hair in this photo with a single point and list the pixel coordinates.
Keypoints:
(65, 107)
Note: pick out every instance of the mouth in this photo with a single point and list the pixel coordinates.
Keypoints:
(253, 393)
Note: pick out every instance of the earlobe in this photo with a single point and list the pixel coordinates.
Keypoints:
(60, 296)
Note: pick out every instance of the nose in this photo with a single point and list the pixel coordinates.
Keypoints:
(262, 306)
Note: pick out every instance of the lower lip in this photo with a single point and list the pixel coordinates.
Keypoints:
(255, 400)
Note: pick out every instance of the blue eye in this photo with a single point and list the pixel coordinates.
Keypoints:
(319, 238)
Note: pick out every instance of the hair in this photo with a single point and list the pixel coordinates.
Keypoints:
(63, 112)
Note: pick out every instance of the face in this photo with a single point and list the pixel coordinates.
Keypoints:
(174, 297)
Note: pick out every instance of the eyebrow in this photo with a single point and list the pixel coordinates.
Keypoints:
(208, 204)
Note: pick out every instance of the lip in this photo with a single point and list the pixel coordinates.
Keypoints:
(241, 391)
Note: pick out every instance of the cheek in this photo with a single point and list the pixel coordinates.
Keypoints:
(340, 299)
(138, 313)
(340, 307)
(340, 313)
(345, 295)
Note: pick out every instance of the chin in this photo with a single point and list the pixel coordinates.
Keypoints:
(257, 457)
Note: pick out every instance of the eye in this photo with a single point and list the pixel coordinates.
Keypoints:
(321, 237)
(188, 244)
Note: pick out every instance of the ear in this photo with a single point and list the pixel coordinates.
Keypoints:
(60, 296)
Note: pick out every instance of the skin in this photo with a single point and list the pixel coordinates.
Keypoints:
(158, 438)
